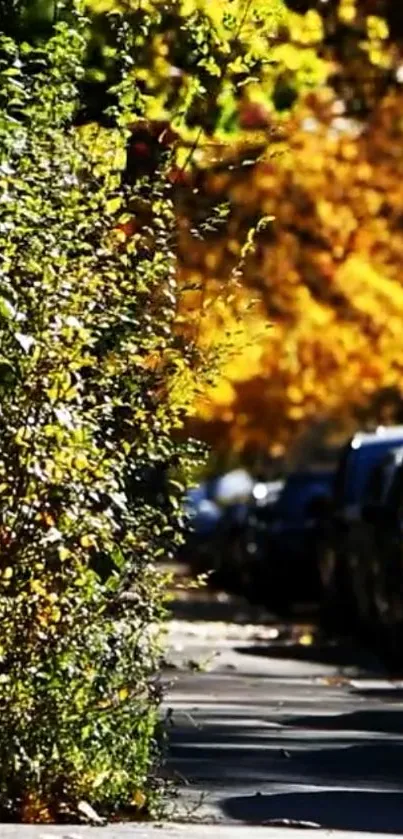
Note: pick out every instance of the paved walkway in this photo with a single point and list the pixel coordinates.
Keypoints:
(279, 730)
(169, 832)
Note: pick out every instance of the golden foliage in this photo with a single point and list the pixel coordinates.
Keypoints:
(325, 274)
(301, 311)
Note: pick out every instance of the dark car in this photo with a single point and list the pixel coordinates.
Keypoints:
(375, 557)
(265, 546)
(289, 536)
(219, 538)
(336, 556)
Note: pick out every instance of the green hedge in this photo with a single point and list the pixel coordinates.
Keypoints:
(88, 467)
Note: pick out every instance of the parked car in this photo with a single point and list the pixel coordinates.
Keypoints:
(375, 557)
(260, 536)
(227, 529)
(291, 533)
(337, 527)
(225, 497)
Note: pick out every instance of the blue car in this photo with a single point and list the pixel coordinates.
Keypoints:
(227, 529)
(291, 533)
(337, 556)
(225, 498)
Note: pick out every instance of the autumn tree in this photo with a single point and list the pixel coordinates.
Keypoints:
(312, 326)
(362, 41)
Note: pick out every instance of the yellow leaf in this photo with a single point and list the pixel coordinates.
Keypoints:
(347, 11)
(81, 462)
(100, 778)
(139, 799)
(21, 437)
(377, 27)
(113, 205)
(43, 617)
(88, 540)
(123, 694)
(119, 235)
(64, 553)
(7, 573)
(295, 394)
(306, 640)
(47, 519)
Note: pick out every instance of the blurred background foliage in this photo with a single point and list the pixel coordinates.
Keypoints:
(283, 129)
(314, 322)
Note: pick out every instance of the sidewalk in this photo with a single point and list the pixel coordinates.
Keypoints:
(276, 727)
(170, 832)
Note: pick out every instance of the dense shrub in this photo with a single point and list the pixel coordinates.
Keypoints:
(100, 120)
(88, 466)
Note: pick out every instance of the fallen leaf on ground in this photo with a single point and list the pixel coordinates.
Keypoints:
(335, 681)
(306, 640)
(139, 799)
(86, 810)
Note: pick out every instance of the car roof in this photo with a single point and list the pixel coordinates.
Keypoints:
(383, 434)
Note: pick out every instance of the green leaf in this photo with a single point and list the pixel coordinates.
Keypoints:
(7, 310)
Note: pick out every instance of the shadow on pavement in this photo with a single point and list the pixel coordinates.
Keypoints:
(369, 721)
(342, 654)
(354, 749)
(359, 752)
(380, 812)
(211, 604)
(195, 607)
(387, 695)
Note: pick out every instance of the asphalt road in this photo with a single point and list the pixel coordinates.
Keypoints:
(269, 726)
